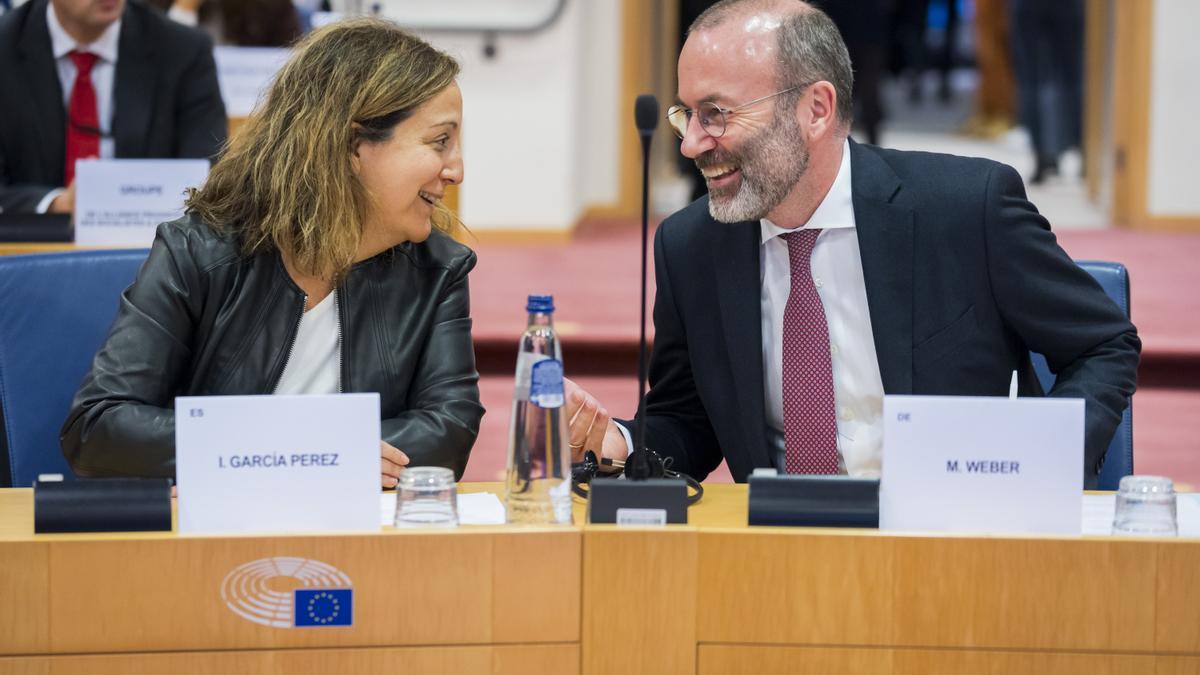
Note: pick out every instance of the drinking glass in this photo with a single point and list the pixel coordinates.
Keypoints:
(1146, 507)
(426, 497)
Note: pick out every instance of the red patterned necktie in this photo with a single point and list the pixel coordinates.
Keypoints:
(809, 414)
(83, 122)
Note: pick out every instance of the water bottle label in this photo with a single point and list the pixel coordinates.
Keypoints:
(546, 384)
(525, 363)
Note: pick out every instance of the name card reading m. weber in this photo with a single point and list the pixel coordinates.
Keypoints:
(277, 463)
(981, 464)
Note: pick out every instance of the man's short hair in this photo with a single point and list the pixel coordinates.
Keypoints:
(810, 47)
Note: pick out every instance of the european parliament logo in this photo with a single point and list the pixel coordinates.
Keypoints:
(285, 592)
(324, 607)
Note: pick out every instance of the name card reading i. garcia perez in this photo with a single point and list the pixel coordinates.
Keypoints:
(120, 202)
(981, 464)
(276, 464)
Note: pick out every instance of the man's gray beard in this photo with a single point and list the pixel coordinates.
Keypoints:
(771, 163)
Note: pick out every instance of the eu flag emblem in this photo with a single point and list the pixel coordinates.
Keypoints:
(324, 607)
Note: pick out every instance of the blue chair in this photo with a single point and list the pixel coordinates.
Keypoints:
(55, 311)
(1118, 461)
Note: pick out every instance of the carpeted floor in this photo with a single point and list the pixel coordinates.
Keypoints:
(594, 279)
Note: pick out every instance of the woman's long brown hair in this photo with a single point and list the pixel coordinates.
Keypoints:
(285, 181)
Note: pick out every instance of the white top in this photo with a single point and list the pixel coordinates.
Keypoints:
(315, 362)
(838, 276)
(103, 74)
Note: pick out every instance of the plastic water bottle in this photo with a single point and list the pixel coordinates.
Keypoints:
(538, 482)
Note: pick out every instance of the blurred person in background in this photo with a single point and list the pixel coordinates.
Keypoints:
(912, 53)
(995, 106)
(1047, 50)
(98, 78)
(865, 28)
(314, 260)
(241, 23)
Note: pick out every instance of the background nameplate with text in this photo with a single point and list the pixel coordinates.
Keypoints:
(121, 202)
(981, 464)
(277, 463)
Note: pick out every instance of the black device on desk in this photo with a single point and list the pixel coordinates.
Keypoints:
(27, 227)
(102, 505)
(813, 501)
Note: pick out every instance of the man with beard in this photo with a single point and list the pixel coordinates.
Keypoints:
(820, 274)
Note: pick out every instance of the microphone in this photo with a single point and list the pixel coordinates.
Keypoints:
(643, 463)
(645, 116)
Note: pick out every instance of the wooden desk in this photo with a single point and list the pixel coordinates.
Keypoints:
(711, 597)
(18, 248)
(719, 597)
(424, 602)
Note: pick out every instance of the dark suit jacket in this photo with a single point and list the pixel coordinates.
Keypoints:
(963, 279)
(166, 103)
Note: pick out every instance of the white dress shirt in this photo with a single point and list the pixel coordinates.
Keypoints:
(314, 364)
(838, 276)
(103, 75)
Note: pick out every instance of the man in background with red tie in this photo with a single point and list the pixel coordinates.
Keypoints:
(98, 78)
(820, 274)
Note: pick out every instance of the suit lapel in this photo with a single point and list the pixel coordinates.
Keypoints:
(735, 259)
(885, 239)
(50, 124)
(133, 88)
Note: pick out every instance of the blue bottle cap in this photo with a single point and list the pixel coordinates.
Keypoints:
(543, 304)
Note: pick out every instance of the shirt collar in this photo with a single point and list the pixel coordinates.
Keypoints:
(62, 44)
(835, 211)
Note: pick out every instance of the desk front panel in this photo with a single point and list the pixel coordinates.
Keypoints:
(553, 659)
(807, 587)
(76, 595)
(781, 660)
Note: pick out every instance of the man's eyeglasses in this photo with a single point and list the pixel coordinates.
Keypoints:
(712, 116)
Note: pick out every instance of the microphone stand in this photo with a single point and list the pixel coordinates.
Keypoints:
(645, 498)
(644, 463)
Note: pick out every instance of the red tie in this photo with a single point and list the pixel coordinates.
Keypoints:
(809, 415)
(83, 122)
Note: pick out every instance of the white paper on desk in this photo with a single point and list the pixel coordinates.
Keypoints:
(981, 464)
(121, 202)
(1187, 511)
(277, 463)
(475, 508)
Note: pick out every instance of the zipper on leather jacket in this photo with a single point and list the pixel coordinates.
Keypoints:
(292, 344)
(337, 306)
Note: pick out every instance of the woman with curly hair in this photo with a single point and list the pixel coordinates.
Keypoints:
(314, 260)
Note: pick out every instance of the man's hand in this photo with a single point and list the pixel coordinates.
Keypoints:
(64, 202)
(590, 426)
(391, 463)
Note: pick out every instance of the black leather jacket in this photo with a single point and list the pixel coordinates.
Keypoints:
(202, 319)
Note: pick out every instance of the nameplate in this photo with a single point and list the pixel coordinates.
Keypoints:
(981, 464)
(121, 202)
(244, 73)
(277, 464)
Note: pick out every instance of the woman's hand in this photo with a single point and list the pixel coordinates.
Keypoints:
(391, 463)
